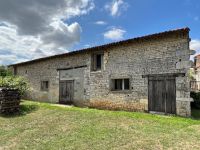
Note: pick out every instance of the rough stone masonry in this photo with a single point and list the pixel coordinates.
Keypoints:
(111, 76)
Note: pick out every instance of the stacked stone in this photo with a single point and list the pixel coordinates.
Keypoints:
(9, 100)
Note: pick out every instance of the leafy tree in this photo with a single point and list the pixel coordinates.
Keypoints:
(4, 71)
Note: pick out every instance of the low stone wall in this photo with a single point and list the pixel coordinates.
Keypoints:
(9, 100)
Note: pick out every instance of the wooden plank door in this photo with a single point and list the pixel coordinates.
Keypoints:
(162, 94)
(66, 92)
(170, 95)
(156, 94)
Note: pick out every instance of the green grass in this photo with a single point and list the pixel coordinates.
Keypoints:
(45, 126)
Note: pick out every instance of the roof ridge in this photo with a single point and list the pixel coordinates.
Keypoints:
(186, 29)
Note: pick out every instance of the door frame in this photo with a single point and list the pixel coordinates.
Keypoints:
(164, 78)
(61, 102)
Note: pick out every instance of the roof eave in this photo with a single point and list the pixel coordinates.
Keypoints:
(143, 38)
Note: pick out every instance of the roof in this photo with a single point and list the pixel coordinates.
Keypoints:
(137, 39)
(197, 56)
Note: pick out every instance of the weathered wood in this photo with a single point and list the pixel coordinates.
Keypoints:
(164, 75)
(66, 92)
(162, 94)
(76, 67)
(170, 95)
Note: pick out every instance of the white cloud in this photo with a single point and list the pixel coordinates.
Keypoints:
(114, 34)
(116, 7)
(100, 22)
(26, 47)
(38, 28)
(5, 59)
(62, 34)
(87, 45)
(195, 45)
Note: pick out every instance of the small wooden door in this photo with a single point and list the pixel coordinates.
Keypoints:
(162, 94)
(66, 92)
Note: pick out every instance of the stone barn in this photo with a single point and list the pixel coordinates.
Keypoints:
(148, 73)
(195, 84)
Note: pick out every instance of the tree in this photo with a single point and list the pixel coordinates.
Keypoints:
(4, 71)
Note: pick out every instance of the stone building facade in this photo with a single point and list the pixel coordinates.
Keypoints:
(113, 76)
(196, 69)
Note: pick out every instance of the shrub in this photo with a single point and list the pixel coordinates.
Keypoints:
(196, 97)
(14, 82)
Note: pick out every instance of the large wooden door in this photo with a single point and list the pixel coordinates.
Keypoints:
(66, 92)
(162, 94)
(170, 95)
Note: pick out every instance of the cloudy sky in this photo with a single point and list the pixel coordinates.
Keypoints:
(31, 29)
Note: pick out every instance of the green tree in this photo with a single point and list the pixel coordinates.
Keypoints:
(4, 71)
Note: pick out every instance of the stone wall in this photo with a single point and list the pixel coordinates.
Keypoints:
(47, 70)
(197, 61)
(169, 55)
(157, 56)
(77, 75)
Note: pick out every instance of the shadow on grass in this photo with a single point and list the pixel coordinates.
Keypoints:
(23, 110)
(196, 113)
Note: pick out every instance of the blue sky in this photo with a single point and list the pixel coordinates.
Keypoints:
(35, 28)
(142, 17)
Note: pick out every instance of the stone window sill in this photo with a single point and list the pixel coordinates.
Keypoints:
(45, 91)
(122, 91)
(98, 71)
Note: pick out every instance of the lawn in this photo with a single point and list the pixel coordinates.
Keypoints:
(46, 126)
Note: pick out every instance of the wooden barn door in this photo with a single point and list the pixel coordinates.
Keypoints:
(66, 92)
(170, 95)
(162, 94)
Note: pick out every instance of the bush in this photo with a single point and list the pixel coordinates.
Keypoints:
(196, 97)
(14, 82)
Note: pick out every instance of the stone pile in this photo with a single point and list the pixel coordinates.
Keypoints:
(9, 100)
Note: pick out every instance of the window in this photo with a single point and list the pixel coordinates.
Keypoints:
(97, 61)
(44, 85)
(126, 84)
(120, 84)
